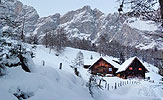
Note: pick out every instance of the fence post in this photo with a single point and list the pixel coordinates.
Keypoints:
(99, 83)
(115, 85)
(120, 83)
(105, 85)
(43, 63)
(108, 87)
(60, 67)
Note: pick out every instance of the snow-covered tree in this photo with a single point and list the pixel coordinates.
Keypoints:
(32, 39)
(13, 52)
(79, 60)
(2, 67)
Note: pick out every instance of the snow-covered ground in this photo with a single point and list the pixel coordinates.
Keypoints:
(48, 82)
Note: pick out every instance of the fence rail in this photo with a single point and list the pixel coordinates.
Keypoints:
(116, 85)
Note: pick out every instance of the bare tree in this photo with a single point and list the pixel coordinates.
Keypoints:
(102, 49)
(60, 39)
(55, 39)
(145, 7)
(45, 40)
(22, 32)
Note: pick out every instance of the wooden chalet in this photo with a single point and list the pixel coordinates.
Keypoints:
(132, 68)
(103, 67)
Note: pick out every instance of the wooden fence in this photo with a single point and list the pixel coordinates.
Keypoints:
(117, 85)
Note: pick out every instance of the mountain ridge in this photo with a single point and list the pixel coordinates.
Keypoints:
(89, 24)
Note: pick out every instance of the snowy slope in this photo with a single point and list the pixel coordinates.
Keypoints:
(50, 83)
(67, 57)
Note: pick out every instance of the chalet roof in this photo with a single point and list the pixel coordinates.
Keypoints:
(108, 59)
(127, 63)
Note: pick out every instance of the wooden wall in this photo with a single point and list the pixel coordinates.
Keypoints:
(102, 68)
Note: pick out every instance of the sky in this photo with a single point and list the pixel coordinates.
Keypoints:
(49, 7)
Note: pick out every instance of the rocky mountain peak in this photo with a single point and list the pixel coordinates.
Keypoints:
(97, 13)
(47, 23)
(83, 23)
(86, 8)
(15, 10)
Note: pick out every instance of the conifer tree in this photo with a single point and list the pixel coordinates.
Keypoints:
(122, 58)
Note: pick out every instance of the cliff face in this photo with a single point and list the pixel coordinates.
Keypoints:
(89, 24)
(16, 11)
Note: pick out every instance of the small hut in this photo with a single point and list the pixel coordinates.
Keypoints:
(103, 67)
(132, 68)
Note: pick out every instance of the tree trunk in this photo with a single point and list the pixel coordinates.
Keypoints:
(161, 10)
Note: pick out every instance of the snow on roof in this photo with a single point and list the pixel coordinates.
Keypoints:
(127, 63)
(106, 58)
(116, 65)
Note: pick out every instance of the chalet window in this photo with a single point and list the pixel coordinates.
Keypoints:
(106, 65)
(140, 69)
(110, 69)
(130, 68)
(102, 63)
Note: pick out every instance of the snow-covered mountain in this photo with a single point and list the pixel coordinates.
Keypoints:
(16, 11)
(90, 24)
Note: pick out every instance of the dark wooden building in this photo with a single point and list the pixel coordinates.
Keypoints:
(103, 67)
(132, 68)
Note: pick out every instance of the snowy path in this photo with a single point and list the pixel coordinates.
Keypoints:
(144, 91)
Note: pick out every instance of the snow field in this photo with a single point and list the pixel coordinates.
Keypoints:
(50, 83)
